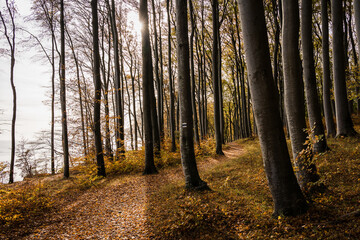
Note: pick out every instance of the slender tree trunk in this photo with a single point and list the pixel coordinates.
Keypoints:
(52, 134)
(329, 120)
(63, 94)
(134, 108)
(287, 196)
(312, 99)
(79, 91)
(172, 101)
(357, 26)
(97, 82)
(161, 105)
(192, 178)
(215, 76)
(147, 74)
(157, 75)
(192, 72)
(203, 95)
(119, 129)
(294, 94)
(106, 81)
(130, 120)
(344, 122)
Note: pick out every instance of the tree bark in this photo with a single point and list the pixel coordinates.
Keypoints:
(158, 80)
(172, 101)
(147, 74)
(287, 196)
(329, 119)
(312, 99)
(294, 94)
(97, 82)
(192, 72)
(10, 37)
(63, 94)
(192, 178)
(344, 124)
(76, 60)
(215, 76)
(119, 130)
(357, 27)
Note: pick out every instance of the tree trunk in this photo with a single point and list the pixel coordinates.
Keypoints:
(78, 83)
(329, 120)
(134, 108)
(357, 26)
(294, 94)
(97, 82)
(344, 122)
(172, 101)
(192, 178)
(192, 72)
(147, 74)
(52, 134)
(105, 88)
(157, 76)
(287, 196)
(215, 76)
(204, 92)
(119, 130)
(63, 94)
(312, 99)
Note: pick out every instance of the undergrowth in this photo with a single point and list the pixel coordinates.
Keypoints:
(23, 203)
(240, 204)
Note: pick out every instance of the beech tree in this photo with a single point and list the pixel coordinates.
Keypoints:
(148, 78)
(188, 161)
(286, 193)
(171, 82)
(329, 120)
(118, 95)
(344, 124)
(65, 140)
(97, 100)
(8, 22)
(312, 99)
(357, 27)
(215, 77)
(294, 94)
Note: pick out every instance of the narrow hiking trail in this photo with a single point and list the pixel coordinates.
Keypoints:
(118, 210)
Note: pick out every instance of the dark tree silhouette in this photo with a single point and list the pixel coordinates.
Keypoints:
(287, 196)
(192, 177)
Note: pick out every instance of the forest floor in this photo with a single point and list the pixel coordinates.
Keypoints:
(239, 205)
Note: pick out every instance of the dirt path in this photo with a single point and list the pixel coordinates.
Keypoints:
(117, 211)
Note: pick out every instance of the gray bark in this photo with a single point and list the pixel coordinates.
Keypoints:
(215, 77)
(357, 27)
(344, 124)
(147, 73)
(329, 119)
(10, 37)
(192, 178)
(65, 143)
(312, 99)
(172, 101)
(287, 196)
(119, 129)
(294, 94)
(159, 118)
(97, 101)
(192, 72)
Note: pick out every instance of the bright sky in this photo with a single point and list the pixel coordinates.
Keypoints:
(32, 80)
(31, 77)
